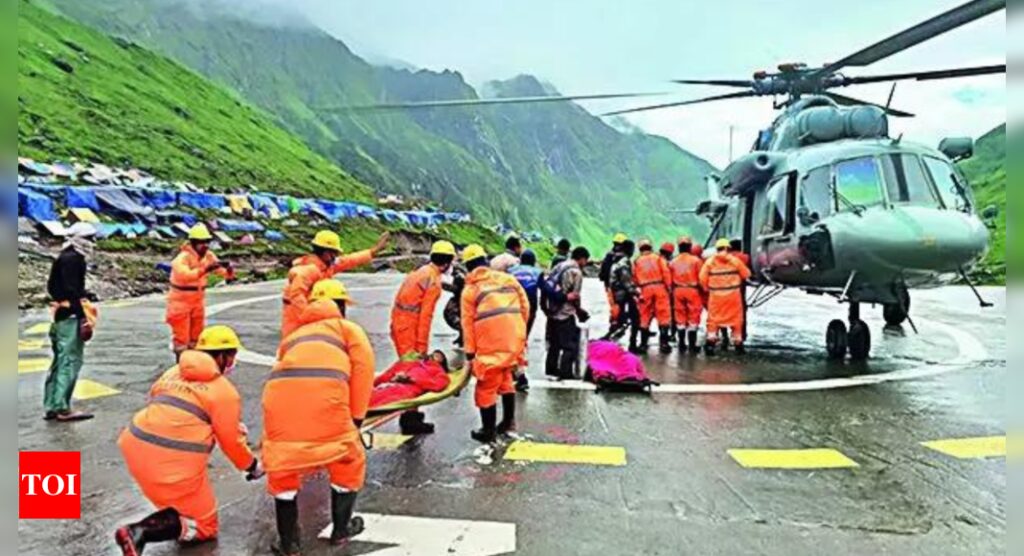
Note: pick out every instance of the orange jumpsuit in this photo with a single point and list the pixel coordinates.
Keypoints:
(306, 271)
(722, 276)
(686, 293)
(495, 310)
(318, 388)
(653, 277)
(167, 446)
(186, 300)
(413, 311)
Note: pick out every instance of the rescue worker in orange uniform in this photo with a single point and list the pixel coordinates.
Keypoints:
(192, 408)
(324, 262)
(652, 276)
(186, 299)
(666, 251)
(722, 276)
(314, 402)
(411, 317)
(494, 314)
(736, 248)
(688, 302)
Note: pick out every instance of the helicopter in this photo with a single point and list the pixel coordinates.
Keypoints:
(827, 201)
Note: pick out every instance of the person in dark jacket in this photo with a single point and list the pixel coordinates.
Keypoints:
(66, 287)
(562, 247)
(605, 275)
(529, 277)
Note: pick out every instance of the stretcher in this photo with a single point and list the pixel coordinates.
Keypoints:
(377, 416)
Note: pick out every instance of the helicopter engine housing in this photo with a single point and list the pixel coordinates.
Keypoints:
(820, 124)
(865, 122)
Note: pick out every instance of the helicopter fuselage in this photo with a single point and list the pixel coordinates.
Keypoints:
(859, 218)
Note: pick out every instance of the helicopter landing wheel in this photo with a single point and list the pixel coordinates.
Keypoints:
(836, 340)
(896, 313)
(859, 341)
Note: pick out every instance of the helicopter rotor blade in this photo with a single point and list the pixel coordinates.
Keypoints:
(927, 75)
(917, 34)
(743, 83)
(850, 101)
(742, 94)
(480, 102)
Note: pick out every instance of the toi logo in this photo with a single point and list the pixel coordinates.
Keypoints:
(50, 485)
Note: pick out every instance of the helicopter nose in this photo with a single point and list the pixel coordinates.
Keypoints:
(927, 239)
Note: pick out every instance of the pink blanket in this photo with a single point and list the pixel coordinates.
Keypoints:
(609, 362)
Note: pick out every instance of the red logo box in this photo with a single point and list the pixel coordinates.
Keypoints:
(49, 485)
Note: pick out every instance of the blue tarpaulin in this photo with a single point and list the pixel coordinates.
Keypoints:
(172, 216)
(81, 197)
(263, 204)
(54, 192)
(36, 206)
(115, 201)
(334, 210)
(274, 235)
(201, 200)
(365, 211)
(159, 198)
(226, 225)
(393, 216)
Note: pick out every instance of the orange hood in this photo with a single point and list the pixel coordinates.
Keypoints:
(197, 366)
(324, 309)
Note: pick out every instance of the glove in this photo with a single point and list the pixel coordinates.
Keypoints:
(470, 357)
(582, 315)
(255, 471)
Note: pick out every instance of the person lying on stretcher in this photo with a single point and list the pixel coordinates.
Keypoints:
(406, 380)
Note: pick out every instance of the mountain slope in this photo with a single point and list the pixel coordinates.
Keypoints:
(551, 168)
(986, 172)
(82, 94)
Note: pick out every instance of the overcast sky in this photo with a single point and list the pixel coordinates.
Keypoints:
(597, 46)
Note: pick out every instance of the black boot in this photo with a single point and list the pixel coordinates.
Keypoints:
(682, 340)
(343, 504)
(487, 433)
(645, 339)
(287, 527)
(740, 350)
(164, 525)
(508, 414)
(412, 423)
(663, 344)
(522, 383)
(692, 336)
(634, 347)
(709, 348)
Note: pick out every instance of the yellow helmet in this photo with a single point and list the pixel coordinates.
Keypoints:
(619, 238)
(442, 248)
(330, 289)
(473, 252)
(722, 244)
(199, 232)
(327, 239)
(218, 337)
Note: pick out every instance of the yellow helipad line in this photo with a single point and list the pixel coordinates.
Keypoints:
(970, 448)
(120, 303)
(38, 329)
(813, 458)
(86, 389)
(386, 441)
(36, 365)
(521, 450)
(30, 345)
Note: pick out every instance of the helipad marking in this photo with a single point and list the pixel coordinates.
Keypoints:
(430, 536)
(387, 441)
(814, 458)
(521, 450)
(969, 348)
(86, 389)
(970, 448)
(30, 345)
(38, 329)
(38, 365)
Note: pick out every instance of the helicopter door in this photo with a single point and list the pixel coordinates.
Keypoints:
(778, 253)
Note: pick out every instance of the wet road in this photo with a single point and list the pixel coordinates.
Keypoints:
(683, 488)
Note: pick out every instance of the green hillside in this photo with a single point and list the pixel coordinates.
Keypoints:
(986, 172)
(82, 94)
(553, 168)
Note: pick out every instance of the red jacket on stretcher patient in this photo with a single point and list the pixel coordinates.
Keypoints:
(406, 380)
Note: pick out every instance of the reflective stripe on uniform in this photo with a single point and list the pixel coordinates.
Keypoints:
(169, 443)
(724, 272)
(495, 312)
(504, 289)
(656, 282)
(305, 372)
(723, 288)
(314, 338)
(183, 405)
(407, 308)
(186, 288)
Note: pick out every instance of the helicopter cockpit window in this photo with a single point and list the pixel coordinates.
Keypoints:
(950, 188)
(858, 184)
(816, 193)
(775, 207)
(906, 181)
